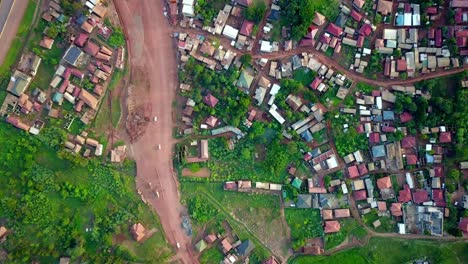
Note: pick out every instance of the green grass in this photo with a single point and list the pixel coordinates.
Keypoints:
(304, 224)
(387, 224)
(390, 251)
(349, 228)
(18, 43)
(365, 88)
(60, 198)
(260, 213)
(211, 256)
(304, 76)
(116, 111)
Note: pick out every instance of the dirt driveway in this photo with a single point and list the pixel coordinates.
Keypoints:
(153, 59)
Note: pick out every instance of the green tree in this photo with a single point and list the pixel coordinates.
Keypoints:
(117, 39)
(454, 174)
(255, 11)
(246, 59)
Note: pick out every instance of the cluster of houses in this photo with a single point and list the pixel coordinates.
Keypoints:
(79, 80)
(246, 186)
(77, 142)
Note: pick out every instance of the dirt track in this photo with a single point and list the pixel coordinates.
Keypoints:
(153, 63)
(12, 22)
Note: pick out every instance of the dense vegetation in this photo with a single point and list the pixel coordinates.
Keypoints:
(389, 251)
(208, 9)
(233, 103)
(256, 11)
(304, 224)
(300, 13)
(58, 205)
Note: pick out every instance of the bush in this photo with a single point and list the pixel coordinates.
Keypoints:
(256, 11)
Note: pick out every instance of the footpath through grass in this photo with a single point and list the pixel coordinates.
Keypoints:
(392, 250)
(18, 43)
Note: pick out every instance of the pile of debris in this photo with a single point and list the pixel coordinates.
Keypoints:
(137, 122)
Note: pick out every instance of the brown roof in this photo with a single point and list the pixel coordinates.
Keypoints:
(89, 99)
(98, 90)
(105, 50)
(327, 214)
(395, 208)
(210, 100)
(138, 231)
(384, 183)
(319, 19)
(384, 7)
(332, 227)
(86, 26)
(359, 3)
(382, 206)
(47, 42)
(210, 238)
(91, 48)
(341, 213)
(211, 121)
(100, 10)
(102, 56)
(226, 245)
(207, 48)
(3, 231)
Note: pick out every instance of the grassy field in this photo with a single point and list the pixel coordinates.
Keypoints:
(211, 256)
(349, 228)
(304, 224)
(49, 199)
(387, 224)
(18, 42)
(260, 213)
(304, 76)
(390, 251)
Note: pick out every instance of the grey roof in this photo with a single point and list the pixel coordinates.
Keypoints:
(388, 115)
(72, 55)
(378, 151)
(304, 201)
(245, 248)
(341, 20)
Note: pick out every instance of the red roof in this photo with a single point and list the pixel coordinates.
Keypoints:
(360, 129)
(376, 93)
(91, 48)
(210, 100)
(407, 8)
(360, 195)
(420, 196)
(374, 137)
(438, 171)
(401, 65)
(307, 157)
(63, 86)
(384, 183)
(334, 30)
(404, 195)
(431, 33)
(406, 117)
(341, 213)
(325, 39)
(315, 83)
(445, 137)
(77, 91)
(363, 169)
(306, 42)
(438, 195)
(311, 32)
(81, 39)
(77, 73)
(353, 172)
(211, 121)
(252, 115)
(230, 185)
(244, 2)
(365, 30)
(461, 33)
(411, 159)
(360, 42)
(438, 38)
(408, 142)
(387, 68)
(246, 28)
(463, 225)
(382, 206)
(388, 129)
(395, 208)
(461, 42)
(332, 226)
(431, 10)
(357, 16)
(67, 74)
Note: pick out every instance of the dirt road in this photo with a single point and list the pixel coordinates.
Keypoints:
(153, 55)
(11, 14)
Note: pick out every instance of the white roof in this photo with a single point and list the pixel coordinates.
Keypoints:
(188, 2)
(409, 180)
(332, 163)
(401, 228)
(98, 150)
(60, 70)
(266, 46)
(275, 89)
(344, 188)
(276, 115)
(230, 32)
(416, 20)
(34, 131)
(187, 10)
(407, 19)
(276, 187)
(390, 34)
(379, 102)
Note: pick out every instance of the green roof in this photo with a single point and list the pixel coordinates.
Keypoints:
(245, 80)
(297, 183)
(200, 246)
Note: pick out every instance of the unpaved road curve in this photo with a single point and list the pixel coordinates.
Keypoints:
(11, 13)
(152, 51)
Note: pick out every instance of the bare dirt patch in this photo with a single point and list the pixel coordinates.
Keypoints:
(202, 173)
